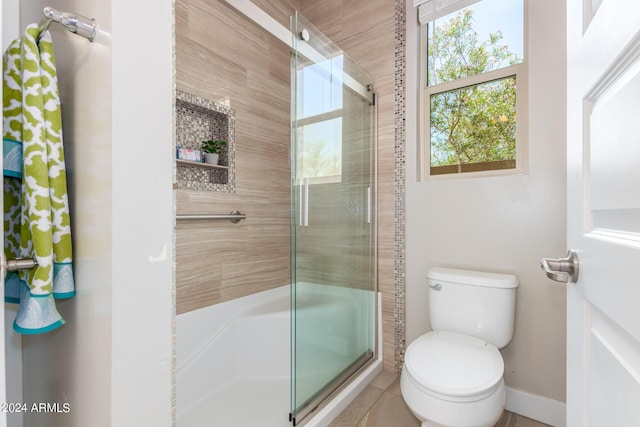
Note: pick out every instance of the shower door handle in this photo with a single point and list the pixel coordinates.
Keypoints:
(300, 204)
(304, 203)
(305, 185)
(368, 205)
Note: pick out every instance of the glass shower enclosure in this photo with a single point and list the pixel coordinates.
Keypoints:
(333, 234)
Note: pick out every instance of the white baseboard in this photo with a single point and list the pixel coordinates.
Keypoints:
(536, 407)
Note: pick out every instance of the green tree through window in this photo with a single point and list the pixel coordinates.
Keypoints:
(474, 124)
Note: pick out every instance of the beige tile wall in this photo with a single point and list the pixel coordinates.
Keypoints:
(336, 247)
(365, 30)
(221, 56)
(220, 261)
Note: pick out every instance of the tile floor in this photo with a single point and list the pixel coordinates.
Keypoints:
(381, 405)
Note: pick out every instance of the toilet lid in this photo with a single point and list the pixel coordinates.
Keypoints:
(454, 364)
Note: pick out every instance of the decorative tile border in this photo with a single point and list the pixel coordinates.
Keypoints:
(199, 119)
(399, 214)
(174, 400)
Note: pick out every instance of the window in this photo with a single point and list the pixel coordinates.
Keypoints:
(474, 87)
(319, 121)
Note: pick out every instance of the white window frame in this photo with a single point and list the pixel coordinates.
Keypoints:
(521, 73)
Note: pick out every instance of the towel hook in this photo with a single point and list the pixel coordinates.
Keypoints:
(80, 25)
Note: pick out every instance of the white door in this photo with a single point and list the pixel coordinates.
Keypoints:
(603, 186)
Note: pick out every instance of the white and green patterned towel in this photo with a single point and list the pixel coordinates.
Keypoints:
(36, 207)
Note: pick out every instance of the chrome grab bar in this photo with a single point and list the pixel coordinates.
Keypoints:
(234, 216)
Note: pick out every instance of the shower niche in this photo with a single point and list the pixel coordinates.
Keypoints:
(197, 120)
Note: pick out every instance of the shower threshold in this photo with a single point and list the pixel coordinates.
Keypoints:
(331, 389)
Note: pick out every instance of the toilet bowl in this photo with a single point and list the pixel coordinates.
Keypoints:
(453, 375)
(451, 379)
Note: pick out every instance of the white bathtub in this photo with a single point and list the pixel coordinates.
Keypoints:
(233, 365)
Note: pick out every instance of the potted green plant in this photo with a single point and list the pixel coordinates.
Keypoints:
(211, 148)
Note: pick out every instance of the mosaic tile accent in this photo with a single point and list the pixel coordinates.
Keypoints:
(197, 120)
(399, 214)
(174, 400)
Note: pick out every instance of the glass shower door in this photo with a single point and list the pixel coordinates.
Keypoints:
(333, 225)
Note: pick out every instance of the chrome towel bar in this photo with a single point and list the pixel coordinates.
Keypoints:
(234, 216)
(80, 25)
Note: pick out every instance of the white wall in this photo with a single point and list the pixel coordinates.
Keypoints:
(143, 212)
(503, 224)
(112, 360)
(4, 35)
(10, 21)
(77, 356)
(12, 349)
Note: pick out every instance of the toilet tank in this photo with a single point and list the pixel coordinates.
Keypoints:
(473, 303)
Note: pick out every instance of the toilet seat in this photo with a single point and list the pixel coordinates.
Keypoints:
(454, 366)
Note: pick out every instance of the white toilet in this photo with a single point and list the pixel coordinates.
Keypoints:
(452, 376)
